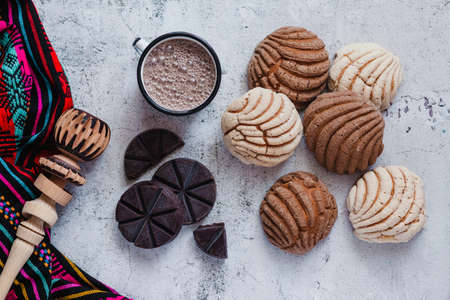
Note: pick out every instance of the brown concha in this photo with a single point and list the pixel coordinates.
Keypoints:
(81, 135)
(292, 61)
(344, 131)
(297, 212)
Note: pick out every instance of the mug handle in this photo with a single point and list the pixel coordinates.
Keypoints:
(140, 44)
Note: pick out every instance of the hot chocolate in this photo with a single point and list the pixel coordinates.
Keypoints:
(179, 74)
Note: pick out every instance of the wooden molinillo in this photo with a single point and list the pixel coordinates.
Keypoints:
(80, 137)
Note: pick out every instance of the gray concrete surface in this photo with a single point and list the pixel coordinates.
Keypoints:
(93, 40)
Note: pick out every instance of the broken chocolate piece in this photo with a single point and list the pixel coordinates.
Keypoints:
(148, 149)
(212, 239)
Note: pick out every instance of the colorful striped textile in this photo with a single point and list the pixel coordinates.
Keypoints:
(33, 93)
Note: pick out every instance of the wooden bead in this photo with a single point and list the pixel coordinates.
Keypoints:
(52, 190)
(43, 208)
(81, 135)
(29, 235)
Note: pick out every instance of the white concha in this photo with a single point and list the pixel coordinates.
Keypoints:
(369, 70)
(262, 127)
(387, 205)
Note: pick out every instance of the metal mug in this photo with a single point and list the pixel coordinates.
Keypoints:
(144, 48)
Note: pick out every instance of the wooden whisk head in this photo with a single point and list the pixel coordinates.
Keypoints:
(81, 135)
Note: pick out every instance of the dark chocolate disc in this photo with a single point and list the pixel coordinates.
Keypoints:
(149, 215)
(148, 148)
(212, 239)
(194, 185)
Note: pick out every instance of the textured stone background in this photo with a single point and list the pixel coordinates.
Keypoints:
(93, 40)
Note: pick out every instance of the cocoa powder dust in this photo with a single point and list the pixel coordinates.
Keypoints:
(179, 74)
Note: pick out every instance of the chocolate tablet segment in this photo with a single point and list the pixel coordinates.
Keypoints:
(149, 215)
(212, 239)
(194, 185)
(147, 149)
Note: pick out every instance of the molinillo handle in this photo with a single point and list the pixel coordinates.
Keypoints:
(80, 137)
(140, 45)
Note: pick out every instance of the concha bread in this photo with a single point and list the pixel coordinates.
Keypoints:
(387, 205)
(297, 212)
(368, 70)
(292, 61)
(344, 131)
(261, 128)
